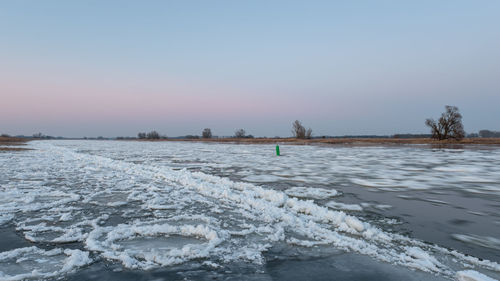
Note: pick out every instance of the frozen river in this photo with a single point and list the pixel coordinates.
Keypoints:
(118, 210)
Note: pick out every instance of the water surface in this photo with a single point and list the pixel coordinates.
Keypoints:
(172, 210)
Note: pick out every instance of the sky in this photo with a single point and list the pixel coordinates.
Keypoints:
(115, 68)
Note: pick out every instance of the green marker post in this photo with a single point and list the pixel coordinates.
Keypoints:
(277, 150)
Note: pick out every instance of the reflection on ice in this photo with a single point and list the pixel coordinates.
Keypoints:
(484, 241)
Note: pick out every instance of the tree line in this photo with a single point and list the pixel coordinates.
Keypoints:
(153, 135)
(489, 134)
(448, 126)
(205, 134)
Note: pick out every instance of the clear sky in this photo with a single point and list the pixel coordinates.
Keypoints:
(114, 68)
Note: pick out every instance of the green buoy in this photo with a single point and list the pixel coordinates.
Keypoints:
(277, 150)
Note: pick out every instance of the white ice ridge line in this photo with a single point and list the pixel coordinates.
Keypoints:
(275, 207)
(150, 260)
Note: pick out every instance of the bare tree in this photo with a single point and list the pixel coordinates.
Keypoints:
(449, 125)
(240, 133)
(141, 135)
(153, 135)
(300, 131)
(207, 133)
(309, 133)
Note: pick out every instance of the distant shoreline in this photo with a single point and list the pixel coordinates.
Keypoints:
(12, 143)
(340, 141)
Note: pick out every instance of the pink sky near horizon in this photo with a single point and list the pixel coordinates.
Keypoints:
(74, 68)
(54, 101)
(56, 98)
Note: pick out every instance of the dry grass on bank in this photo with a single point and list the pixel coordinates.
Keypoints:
(6, 144)
(346, 141)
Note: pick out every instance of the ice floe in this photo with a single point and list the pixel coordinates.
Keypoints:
(471, 275)
(310, 192)
(36, 263)
(342, 206)
(5, 218)
(146, 246)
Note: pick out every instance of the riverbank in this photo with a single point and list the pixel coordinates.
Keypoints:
(344, 141)
(12, 143)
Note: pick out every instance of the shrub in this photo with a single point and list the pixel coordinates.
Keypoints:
(192, 137)
(489, 134)
(240, 133)
(153, 135)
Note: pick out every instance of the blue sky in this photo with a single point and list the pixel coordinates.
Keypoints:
(76, 68)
